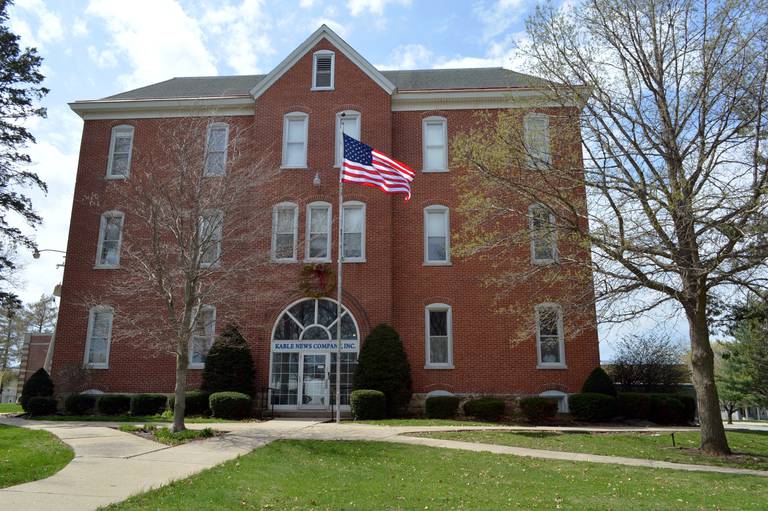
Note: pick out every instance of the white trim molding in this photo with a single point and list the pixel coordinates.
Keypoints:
(560, 336)
(120, 131)
(103, 309)
(356, 205)
(294, 208)
(413, 101)
(287, 118)
(438, 307)
(329, 238)
(223, 106)
(445, 211)
(442, 122)
(331, 82)
(103, 224)
(346, 114)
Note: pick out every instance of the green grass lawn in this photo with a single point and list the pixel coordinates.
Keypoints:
(10, 408)
(427, 422)
(127, 418)
(313, 475)
(28, 455)
(166, 436)
(751, 447)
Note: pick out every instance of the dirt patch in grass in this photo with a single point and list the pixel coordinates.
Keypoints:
(168, 437)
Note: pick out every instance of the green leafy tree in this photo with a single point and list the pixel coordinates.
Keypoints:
(20, 91)
(733, 384)
(747, 361)
(599, 382)
(229, 364)
(383, 365)
(39, 384)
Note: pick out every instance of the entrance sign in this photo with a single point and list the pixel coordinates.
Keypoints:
(279, 346)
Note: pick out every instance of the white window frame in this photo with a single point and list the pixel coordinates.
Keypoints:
(438, 307)
(102, 232)
(346, 114)
(361, 206)
(560, 333)
(211, 127)
(447, 215)
(323, 53)
(562, 399)
(201, 365)
(119, 130)
(217, 260)
(434, 120)
(89, 334)
(539, 163)
(275, 212)
(532, 209)
(308, 233)
(292, 116)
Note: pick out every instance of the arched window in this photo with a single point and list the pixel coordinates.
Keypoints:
(110, 239)
(550, 343)
(216, 149)
(543, 234)
(285, 231)
(435, 141)
(354, 232)
(318, 244)
(439, 336)
(295, 133)
(99, 337)
(536, 139)
(314, 320)
(437, 236)
(120, 148)
(347, 122)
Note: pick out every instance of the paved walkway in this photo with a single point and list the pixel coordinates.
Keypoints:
(109, 465)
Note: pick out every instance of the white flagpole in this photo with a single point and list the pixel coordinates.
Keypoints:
(338, 290)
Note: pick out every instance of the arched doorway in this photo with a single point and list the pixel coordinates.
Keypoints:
(303, 355)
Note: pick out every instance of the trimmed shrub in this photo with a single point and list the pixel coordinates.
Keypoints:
(689, 407)
(598, 382)
(229, 365)
(79, 404)
(383, 365)
(113, 404)
(485, 408)
(195, 403)
(666, 409)
(441, 407)
(592, 407)
(538, 409)
(368, 404)
(148, 404)
(634, 405)
(39, 384)
(230, 405)
(41, 405)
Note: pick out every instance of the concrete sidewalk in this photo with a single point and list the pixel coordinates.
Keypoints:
(110, 466)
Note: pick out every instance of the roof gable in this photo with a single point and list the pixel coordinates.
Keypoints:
(324, 32)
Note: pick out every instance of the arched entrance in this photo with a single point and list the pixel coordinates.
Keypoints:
(303, 355)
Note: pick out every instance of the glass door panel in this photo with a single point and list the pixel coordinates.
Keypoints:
(314, 384)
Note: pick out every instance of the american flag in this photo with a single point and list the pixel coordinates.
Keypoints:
(367, 166)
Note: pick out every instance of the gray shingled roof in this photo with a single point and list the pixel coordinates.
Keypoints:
(421, 79)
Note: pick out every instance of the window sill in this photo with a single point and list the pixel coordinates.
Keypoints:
(543, 262)
(285, 261)
(310, 261)
(353, 260)
(97, 366)
(196, 366)
(115, 178)
(434, 171)
(551, 366)
(321, 88)
(442, 366)
(106, 267)
(286, 167)
(214, 174)
(438, 263)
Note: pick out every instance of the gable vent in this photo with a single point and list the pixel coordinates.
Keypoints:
(323, 72)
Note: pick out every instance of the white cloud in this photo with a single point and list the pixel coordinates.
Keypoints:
(306, 4)
(156, 38)
(409, 56)
(499, 16)
(375, 7)
(79, 27)
(505, 53)
(103, 59)
(243, 33)
(47, 25)
(334, 25)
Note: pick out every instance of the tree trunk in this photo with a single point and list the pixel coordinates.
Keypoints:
(713, 438)
(730, 416)
(180, 404)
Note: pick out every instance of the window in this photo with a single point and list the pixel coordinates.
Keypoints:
(323, 70)
(285, 229)
(346, 122)
(439, 336)
(536, 140)
(295, 140)
(560, 397)
(209, 238)
(120, 146)
(436, 235)
(549, 336)
(318, 232)
(354, 231)
(435, 137)
(543, 234)
(202, 336)
(99, 337)
(110, 238)
(216, 149)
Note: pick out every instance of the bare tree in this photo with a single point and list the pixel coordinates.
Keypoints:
(667, 101)
(649, 361)
(41, 315)
(197, 210)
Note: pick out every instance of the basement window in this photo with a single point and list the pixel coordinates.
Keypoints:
(323, 70)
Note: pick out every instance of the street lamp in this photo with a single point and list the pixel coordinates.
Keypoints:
(36, 252)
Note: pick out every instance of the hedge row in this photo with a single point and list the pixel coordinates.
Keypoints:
(658, 408)
(368, 404)
(538, 409)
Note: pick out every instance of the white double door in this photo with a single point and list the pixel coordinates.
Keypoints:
(314, 381)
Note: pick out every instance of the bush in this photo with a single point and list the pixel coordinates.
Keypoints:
(666, 409)
(41, 405)
(79, 404)
(383, 365)
(441, 407)
(39, 384)
(148, 404)
(538, 409)
(368, 404)
(592, 407)
(689, 407)
(229, 365)
(486, 408)
(113, 404)
(230, 405)
(598, 382)
(195, 403)
(634, 405)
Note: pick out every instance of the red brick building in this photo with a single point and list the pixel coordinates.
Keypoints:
(398, 266)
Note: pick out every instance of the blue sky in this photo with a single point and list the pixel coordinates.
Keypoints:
(97, 48)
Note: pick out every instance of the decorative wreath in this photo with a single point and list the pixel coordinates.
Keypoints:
(317, 280)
